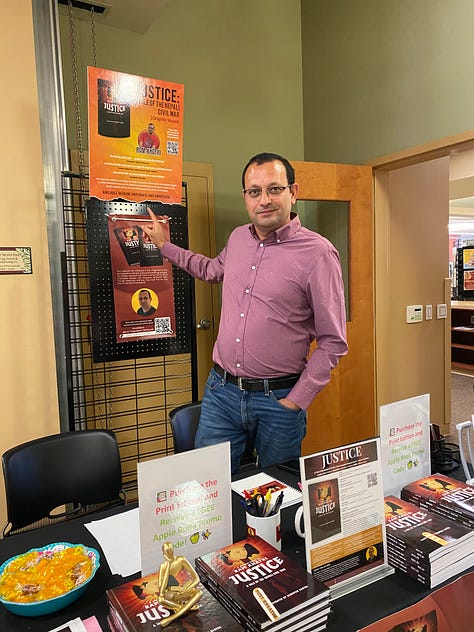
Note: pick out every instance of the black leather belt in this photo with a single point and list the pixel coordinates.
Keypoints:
(254, 384)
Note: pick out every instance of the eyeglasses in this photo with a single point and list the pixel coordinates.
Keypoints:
(270, 191)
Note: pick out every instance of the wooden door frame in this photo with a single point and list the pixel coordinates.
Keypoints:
(382, 165)
(205, 170)
(336, 416)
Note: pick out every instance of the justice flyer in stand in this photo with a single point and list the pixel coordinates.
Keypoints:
(344, 512)
(135, 137)
(142, 281)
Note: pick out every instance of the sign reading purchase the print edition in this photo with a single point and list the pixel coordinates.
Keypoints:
(135, 137)
(184, 499)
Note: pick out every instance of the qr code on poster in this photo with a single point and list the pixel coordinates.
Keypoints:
(372, 479)
(172, 148)
(163, 325)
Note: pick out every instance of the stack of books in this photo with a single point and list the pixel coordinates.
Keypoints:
(134, 606)
(443, 495)
(424, 545)
(263, 588)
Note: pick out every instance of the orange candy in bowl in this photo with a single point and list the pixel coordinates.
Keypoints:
(47, 579)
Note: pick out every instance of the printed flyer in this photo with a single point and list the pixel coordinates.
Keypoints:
(405, 442)
(142, 280)
(135, 137)
(343, 509)
(184, 499)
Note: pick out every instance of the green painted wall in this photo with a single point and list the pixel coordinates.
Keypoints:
(384, 75)
(241, 66)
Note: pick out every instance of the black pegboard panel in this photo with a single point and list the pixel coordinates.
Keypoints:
(104, 345)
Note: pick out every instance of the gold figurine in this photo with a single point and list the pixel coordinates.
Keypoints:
(177, 581)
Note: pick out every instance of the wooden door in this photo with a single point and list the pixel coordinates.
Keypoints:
(199, 182)
(344, 411)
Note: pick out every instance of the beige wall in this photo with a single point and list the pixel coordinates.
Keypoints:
(27, 367)
(411, 239)
(380, 76)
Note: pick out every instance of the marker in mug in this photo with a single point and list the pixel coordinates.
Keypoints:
(277, 505)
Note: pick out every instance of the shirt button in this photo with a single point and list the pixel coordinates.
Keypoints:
(253, 267)
(261, 245)
(237, 340)
(242, 315)
(278, 241)
(238, 365)
(247, 291)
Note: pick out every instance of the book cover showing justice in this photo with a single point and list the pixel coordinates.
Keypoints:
(325, 509)
(134, 605)
(264, 582)
(443, 494)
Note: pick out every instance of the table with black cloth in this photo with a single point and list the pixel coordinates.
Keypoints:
(349, 613)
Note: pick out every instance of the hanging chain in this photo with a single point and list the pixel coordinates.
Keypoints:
(94, 45)
(77, 104)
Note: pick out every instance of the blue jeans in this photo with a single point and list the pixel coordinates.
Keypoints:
(229, 414)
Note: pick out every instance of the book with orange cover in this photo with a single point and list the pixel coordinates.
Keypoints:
(444, 495)
(263, 585)
(427, 546)
(134, 606)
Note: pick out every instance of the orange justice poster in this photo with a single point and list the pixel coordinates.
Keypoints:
(135, 137)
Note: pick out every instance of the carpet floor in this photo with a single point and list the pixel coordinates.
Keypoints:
(462, 404)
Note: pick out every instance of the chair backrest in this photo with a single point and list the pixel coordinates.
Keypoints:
(184, 422)
(80, 468)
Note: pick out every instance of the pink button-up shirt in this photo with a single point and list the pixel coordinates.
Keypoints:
(278, 295)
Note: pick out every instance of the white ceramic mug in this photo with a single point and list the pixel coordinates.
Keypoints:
(268, 528)
(299, 524)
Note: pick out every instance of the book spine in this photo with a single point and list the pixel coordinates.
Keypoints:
(410, 557)
(117, 621)
(448, 511)
(214, 586)
(411, 572)
(231, 608)
(116, 608)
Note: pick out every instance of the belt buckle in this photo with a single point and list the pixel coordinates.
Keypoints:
(239, 383)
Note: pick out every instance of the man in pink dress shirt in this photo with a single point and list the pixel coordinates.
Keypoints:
(282, 289)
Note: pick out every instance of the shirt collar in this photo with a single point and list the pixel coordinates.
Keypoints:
(283, 233)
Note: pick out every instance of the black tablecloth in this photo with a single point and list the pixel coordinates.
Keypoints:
(349, 613)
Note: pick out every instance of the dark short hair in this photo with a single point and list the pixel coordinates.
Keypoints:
(264, 157)
(144, 290)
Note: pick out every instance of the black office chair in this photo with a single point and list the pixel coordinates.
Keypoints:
(79, 470)
(184, 423)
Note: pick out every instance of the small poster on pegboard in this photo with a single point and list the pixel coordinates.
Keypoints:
(141, 305)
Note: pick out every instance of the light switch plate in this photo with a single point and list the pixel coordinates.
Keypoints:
(441, 310)
(429, 312)
(414, 313)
